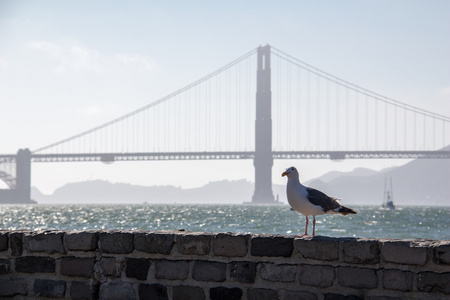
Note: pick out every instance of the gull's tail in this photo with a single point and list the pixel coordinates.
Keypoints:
(345, 210)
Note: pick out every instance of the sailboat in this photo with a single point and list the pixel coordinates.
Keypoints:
(388, 198)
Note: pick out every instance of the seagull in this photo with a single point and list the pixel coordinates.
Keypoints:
(309, 201)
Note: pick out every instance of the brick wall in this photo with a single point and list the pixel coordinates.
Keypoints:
(185, 265)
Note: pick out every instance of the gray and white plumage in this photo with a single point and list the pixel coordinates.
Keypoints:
(309, 201)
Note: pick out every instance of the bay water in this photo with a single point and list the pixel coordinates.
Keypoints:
(409, 222)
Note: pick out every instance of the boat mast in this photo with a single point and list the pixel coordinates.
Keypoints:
(392, 190)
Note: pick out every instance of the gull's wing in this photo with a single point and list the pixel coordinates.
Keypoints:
(316, 197)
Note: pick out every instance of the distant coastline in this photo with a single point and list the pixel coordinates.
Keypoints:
(420, 182)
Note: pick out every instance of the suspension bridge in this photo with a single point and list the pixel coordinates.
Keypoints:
(298, 112)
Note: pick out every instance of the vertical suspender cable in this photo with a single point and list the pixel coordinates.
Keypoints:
(301, 108)
(367, 124)
(347, 120)
(385, 126)
(236, 104)
(135, 127)
(424, 133)
(229, 110)
(356, 120)
(308, 110)
(395, 128)
(337, 105)
(208, 113)
(217, 109)
(288, 105)
(327, 117)
(248, 96)
(318, 118)
(434, 133)
(443, 134)
(167, 127)
(375, 127)
(405, 130)
(279, 106)
(197, 115)
(415, 130)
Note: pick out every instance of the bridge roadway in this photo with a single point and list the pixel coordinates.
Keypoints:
(142, 156)
(20, 186)
(137, 156)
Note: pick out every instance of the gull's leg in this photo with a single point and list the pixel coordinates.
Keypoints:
(314, 225)
(306, 226)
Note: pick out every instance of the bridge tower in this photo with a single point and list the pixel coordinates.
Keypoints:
(23, 176)
(263, 160)
(19, 191)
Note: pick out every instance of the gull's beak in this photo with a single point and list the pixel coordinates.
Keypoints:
(284, 174)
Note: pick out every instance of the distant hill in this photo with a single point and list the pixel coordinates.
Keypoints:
(100, 191)
(330, 176)
(420, 182)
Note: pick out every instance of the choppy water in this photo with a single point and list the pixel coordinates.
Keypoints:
(370, 222)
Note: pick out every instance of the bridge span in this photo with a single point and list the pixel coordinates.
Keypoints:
(148, 156)
(236, 113)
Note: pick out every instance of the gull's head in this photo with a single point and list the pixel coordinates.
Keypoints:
(290, 172)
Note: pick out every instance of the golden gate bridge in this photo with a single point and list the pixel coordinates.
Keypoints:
(287, 109)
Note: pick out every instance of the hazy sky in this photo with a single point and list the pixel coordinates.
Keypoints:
(67, 66)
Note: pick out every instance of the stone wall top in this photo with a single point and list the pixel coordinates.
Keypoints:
(100, 264)
(350, 251)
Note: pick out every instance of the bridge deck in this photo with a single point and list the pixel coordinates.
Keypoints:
(333, 155)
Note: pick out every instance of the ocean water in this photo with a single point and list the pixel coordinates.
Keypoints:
(370, 222)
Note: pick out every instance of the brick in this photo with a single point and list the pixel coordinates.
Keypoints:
(262, 294)
(332, 296)
(75, 266)
(431, 282)
(108, 266)
(403, 252)
(361, 252)
(231, 245)
(81, 241)
(118, 242)
(209, 271)
(299, 295)
(154, 242)
(358, 278)
(183, 292)
(397, 280)
(278, 273)
(35, 264)
(441, 253)
(137, 268)
(16, 243)
(171, 269)
(5, 266)
(4, 241)
(50, 242)
(198, 244)
(117, 290)
(319, 248)
(319, 276)
(271, 245)
(83, 290)
(223, 293)
(13, 287)
(153, 291)
(243, 271)
(49, 288)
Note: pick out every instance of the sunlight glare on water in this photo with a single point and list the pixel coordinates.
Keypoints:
(370, 222)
